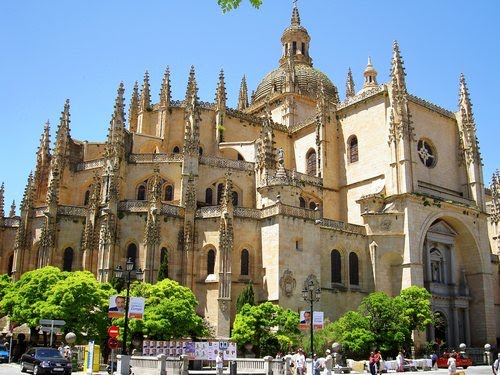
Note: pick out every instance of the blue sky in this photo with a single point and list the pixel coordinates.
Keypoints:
(53, 50)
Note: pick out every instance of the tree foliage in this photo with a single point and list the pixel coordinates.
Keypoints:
(47, 293)
(267, 326)
(246, 296)
(170, 312)
(384, 322)
(227, 5)
(163, 271)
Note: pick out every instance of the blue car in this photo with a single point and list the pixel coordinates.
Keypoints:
(4, 354)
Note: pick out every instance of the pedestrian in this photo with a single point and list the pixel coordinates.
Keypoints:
(452, 363)
(378, 361)
(300, 363)
(434, 359)
(496, 365)
(316, 365)
(400, 362)
(328, 362)
(219, 363)
(371, 363)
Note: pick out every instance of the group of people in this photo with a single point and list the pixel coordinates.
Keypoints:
(298, 364)
(375, 362)
(65, 351)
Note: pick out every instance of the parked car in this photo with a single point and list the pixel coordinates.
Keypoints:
(45, 361)
(462, 360)
(4, 353)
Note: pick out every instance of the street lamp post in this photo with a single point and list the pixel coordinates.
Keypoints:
(127, 276)
(311, 294)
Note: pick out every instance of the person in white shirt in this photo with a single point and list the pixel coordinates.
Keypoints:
(219, 363)
(300, 363)
(452, 363)
(496, 365)
(328, 362)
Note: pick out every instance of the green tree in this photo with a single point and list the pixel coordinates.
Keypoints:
(47, 293)
(267, 326)
(227, 5)
(246, 296)
(5, 284)
(384, 322)
(170, 311)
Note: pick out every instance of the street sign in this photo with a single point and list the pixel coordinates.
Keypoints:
(52, 322)
(112, 343)
(223, 345)
(51, 329)
(113, 331)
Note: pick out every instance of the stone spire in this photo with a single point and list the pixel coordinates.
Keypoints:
(243, 96)
(58, 162)
(2, 212)
(226, 241)
(12, 211)
(28, 194)
(397, 72)
(133, 112)
(61, 148)
(350, 90)
(152, 229)
(470, 143)
(116, 135)
(220, 94)
(165, 92)
(265, 145)
(145, 99)
(43, 153)
(495, 201)
(400, 117)
(469, 146)
(192, 117)
(290, 77)
(370, 76)
(295, 15)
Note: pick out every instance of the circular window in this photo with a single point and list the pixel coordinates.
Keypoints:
(427, 153)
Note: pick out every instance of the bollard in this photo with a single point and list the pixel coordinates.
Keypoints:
(233, 368)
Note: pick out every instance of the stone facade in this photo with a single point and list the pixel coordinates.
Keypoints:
(377, 192)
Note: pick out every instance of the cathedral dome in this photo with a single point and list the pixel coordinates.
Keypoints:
(308, 82)
(295, 73)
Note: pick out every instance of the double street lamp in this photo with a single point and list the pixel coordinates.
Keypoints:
(311, 293)
(128, 275)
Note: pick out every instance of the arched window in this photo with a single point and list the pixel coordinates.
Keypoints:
(169, 193)
(240, 157)
(208, 196)
(220, 190)
(211, 262)
(200, 150)
(312, 205)
(141, 193)
(245, 262)
(235, 198)
(132, 253)
(353, 269)
(336, 266)
(163, 271)
(302, 202)
(86, 199)
(176, 150)
(68, 259)
(311, 163)
(10, 265)
(353, 149)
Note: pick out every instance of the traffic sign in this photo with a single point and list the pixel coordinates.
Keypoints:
(223, 345)
(112, 343)
(113, 331)
(51, 329)
(51, 322)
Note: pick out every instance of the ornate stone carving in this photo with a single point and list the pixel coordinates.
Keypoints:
(287, 283)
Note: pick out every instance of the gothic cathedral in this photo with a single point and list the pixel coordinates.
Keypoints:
(378, 191)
